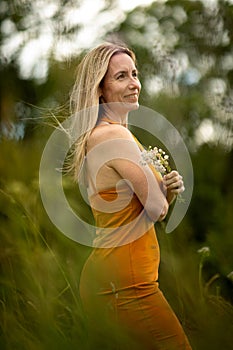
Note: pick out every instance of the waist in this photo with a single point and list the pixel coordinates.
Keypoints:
(119, 217)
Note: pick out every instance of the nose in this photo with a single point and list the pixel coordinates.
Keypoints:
(135, 84)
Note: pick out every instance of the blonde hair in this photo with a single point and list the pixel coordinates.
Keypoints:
(86, 93)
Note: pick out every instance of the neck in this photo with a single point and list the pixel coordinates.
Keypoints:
(115, 116)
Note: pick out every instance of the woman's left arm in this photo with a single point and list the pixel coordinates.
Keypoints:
(174, 185)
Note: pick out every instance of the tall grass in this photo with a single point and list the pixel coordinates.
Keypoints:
(40, 269)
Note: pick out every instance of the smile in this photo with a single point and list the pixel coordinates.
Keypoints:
(132, 96)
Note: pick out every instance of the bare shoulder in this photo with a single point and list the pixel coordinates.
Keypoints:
(109, 132)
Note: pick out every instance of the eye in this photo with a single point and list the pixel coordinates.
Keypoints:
(135, 74)
(121, 76)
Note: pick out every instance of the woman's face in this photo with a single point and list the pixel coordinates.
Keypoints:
(121, 82)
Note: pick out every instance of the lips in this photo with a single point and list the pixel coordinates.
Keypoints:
(132, 96)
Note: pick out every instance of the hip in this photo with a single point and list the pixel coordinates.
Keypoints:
(133, 265)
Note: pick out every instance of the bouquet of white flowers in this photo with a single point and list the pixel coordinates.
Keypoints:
(160, 161)
(158, 158)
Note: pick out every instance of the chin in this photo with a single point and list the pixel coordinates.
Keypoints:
(136, 105)
(131, 106)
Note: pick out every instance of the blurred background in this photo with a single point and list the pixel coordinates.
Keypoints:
(184, 51)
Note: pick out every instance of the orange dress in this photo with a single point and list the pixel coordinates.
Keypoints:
(119, 288)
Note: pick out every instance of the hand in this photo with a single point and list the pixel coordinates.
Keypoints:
(174, 184)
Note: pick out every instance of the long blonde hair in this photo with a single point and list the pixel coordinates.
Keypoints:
(86, 93)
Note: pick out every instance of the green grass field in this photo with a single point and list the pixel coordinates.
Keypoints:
(40, 268)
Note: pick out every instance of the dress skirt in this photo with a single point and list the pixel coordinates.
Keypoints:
(119, 290)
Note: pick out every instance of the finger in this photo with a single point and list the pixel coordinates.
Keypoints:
(175, 185)
(178, 190)
(175, 179)
(172, 174)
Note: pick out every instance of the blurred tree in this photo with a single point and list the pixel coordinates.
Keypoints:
(184, 51)
(38, 40)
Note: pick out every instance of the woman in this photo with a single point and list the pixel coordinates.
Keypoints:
(119, 282)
